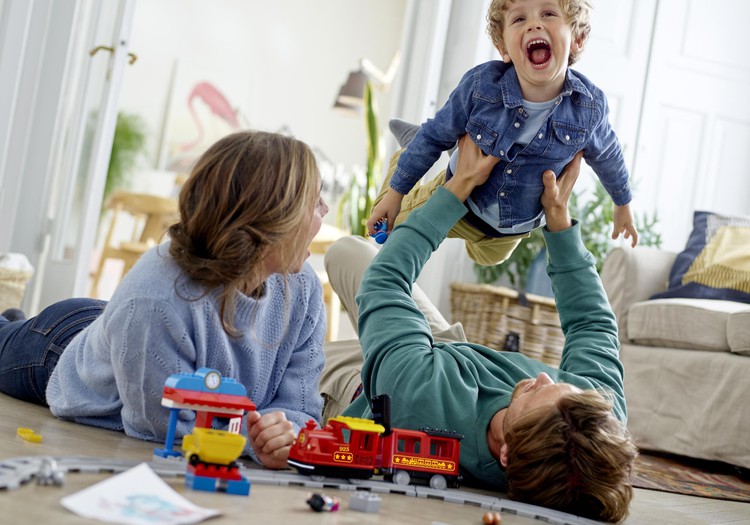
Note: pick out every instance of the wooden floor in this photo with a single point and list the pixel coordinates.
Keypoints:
(272, 504)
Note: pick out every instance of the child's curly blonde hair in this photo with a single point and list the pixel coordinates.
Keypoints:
(576, 11)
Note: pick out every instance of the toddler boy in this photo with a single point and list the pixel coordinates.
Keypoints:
(532, 112)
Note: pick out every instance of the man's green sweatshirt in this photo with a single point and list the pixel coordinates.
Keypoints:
(460, 386)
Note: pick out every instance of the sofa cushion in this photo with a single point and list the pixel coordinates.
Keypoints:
(738, 332)
(699, 324)
(716, 261)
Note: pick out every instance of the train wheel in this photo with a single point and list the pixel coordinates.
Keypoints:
(438, 482)
(318, 478)
(401, 477)
(356, 481)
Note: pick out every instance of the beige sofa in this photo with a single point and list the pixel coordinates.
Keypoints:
(687, 362)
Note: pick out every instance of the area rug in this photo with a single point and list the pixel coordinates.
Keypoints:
(692, 477)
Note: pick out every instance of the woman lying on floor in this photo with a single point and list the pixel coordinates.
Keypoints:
(230, 290)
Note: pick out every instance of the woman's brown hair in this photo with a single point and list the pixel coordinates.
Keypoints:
(248, 196)
(574, 456)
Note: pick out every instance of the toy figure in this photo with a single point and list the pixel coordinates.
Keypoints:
(381, 234)
(321, 502)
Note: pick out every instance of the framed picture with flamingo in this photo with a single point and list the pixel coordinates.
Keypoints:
(198, 112)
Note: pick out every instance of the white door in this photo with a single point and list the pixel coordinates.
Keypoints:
(86, 122)
(694, 145)
(616, 60)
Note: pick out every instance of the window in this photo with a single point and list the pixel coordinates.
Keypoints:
(409, 445)
(364, 442)
(441, 448)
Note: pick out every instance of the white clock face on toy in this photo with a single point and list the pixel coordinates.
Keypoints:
(213, 380)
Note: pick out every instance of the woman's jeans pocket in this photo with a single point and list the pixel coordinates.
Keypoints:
(30, 350)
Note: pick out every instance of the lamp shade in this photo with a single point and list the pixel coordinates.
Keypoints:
(352, 92)
(347, 109)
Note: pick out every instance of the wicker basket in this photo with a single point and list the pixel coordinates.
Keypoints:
(15, 273)
(489, 313)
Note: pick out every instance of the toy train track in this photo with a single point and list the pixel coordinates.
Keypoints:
(15, 472)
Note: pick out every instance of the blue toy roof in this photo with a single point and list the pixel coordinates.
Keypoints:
(196, 382)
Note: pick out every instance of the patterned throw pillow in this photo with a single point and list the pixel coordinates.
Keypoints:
(716, 261)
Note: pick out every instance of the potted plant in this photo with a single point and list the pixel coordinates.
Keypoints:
(127, 147)
(356, 203)
(596, 215)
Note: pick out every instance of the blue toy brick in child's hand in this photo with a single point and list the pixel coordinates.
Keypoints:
(381, 234)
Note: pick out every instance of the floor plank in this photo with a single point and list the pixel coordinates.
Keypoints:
(272, 504)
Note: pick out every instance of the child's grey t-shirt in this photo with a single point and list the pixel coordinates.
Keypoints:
(538, 113)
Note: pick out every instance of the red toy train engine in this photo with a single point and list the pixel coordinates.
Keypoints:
(355, 448)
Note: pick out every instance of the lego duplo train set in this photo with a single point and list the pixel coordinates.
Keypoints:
(345, 454)
(346, 447)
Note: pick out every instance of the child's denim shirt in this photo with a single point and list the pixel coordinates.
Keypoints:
(488, 105)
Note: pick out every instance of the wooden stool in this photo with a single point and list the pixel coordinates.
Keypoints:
(152, 214)
(326, 236)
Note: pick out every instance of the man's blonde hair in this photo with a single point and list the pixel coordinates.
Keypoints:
(574, 456)
(576, 12)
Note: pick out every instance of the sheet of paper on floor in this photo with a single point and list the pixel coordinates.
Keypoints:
(136, 497)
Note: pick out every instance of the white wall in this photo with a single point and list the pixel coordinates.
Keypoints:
(280, 63)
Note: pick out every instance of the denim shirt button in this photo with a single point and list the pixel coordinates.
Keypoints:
(520, 110)
(541, 135)
(502, 153)
(517, 125)
(479, 136)
(508, 171)
(502, 194)
(567, 137)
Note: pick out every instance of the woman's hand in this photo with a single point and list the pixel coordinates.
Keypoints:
(271, 436)
(557, 193)
(472, 169)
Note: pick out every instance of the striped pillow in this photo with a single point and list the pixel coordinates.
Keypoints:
(716, 261)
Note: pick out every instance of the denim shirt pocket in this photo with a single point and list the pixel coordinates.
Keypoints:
(565, 141)
(482, 136)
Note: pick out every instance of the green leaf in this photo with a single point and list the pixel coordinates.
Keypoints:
(595, 212)
(359, 199)
(128, 146)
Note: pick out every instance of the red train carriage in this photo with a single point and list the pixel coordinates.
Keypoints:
(355, 448)
(429, 454)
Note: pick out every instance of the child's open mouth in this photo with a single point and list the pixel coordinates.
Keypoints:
(538, 52)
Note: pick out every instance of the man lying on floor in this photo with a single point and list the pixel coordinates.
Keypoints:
(557, 437)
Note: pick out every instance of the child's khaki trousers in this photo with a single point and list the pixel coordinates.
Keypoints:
(487, 251)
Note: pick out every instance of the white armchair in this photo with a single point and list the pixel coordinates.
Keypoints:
(687, 362)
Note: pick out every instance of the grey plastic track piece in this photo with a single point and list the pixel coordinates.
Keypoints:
(15, 472)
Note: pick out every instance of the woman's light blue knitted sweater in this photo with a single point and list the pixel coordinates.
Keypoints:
(159, 323)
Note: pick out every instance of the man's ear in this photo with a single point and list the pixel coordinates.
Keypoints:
(504, 455)
(503, 54)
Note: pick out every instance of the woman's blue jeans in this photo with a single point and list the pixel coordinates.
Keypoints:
(29, 350)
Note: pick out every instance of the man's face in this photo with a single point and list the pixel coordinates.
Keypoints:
(531, 394)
